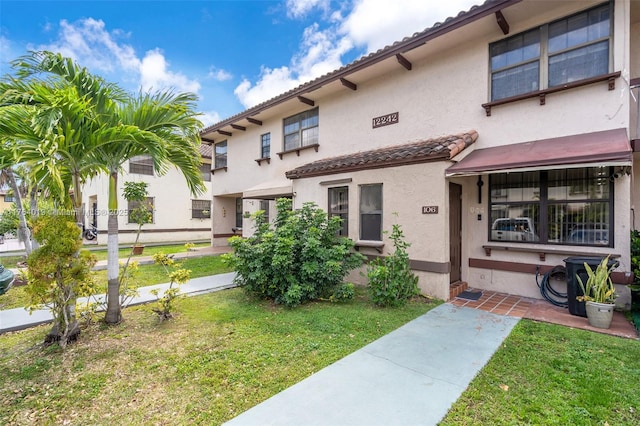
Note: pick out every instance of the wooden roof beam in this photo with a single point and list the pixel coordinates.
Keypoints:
(349, 84)
(502, 22)
(403, 61)
(254, 121)
(237, 127)
(306, 101)
(222, 132)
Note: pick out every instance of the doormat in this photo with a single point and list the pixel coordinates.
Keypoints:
(470, 295)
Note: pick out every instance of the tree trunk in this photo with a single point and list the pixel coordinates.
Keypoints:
(114, 310)
(33, 204)
(23, 229)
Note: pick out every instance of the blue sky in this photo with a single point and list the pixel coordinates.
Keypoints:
(232, 54)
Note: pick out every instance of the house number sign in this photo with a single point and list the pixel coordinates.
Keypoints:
(385, 120)
(429, 209)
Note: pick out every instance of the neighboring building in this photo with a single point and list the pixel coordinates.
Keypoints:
(6, 199)
(502, 140)
(177, 215)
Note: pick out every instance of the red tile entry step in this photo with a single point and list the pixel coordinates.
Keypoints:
(538, 310)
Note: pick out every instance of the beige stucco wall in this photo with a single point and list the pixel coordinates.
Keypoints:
(4, 205)
(442, 95)
(172, 209)
(405, 190)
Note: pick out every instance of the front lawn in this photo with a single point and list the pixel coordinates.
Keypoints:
(148, 275)
(554, 375)
(224, 353)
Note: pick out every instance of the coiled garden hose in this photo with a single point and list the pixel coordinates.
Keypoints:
(550, 294)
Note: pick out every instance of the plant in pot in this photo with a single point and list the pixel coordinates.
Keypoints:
(599, 293)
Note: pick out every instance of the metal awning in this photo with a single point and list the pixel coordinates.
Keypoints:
(605, 148)
(269, 190)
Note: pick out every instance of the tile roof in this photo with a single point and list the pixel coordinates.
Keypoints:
(206, 151)
(441, 148)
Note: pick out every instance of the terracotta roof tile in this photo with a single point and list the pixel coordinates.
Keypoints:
(206, 151)
(441, 148)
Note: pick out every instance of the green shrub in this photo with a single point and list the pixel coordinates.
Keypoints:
(58, 272)
(178, 276)
(343, 292)
(635, 256)
(391, 282)
(300, 259)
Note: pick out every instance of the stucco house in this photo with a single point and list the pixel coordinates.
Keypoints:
(177, 215)
(503, 140)
(6, 199)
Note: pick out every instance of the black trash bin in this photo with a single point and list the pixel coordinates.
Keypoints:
(575, 268)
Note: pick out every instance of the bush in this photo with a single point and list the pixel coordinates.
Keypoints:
(300, 259)
(391, 282)
(58, 272)
(635, 256)
(343, 293)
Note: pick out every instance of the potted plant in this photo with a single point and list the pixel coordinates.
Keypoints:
(599, 293)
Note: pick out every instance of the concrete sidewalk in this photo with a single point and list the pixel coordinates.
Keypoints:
(411, 376)
(19, 318)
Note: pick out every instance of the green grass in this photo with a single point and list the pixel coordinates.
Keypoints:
(554, 375)
(101, 253)
(10, 262)
(148, 275)
(123, 253)
(223, 353)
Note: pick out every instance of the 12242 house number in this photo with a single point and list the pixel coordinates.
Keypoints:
(385, 120)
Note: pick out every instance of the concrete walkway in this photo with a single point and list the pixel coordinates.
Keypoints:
(411, 376)
(19, 318)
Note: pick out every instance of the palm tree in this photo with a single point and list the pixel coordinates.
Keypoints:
(79, 126)
(7, 175)
(169, 133)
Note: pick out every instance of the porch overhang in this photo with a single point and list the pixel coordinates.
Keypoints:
(604, 148)
(269, 190)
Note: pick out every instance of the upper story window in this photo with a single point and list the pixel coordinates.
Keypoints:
(205, 169)
(9, 198)
(220, 153)
(141, 164)
(571, 206)
(301, 130)
(564, 51)
(265, 145)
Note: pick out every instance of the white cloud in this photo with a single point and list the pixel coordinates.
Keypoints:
(209, 118)
(5, 47)
(155, 75)
(219, 74)
(89, 43)
(371, 24)
(299, 8)
(378, 23)
(271, 83)
(319, 54)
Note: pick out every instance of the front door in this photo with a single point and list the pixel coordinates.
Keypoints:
(455, 231)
